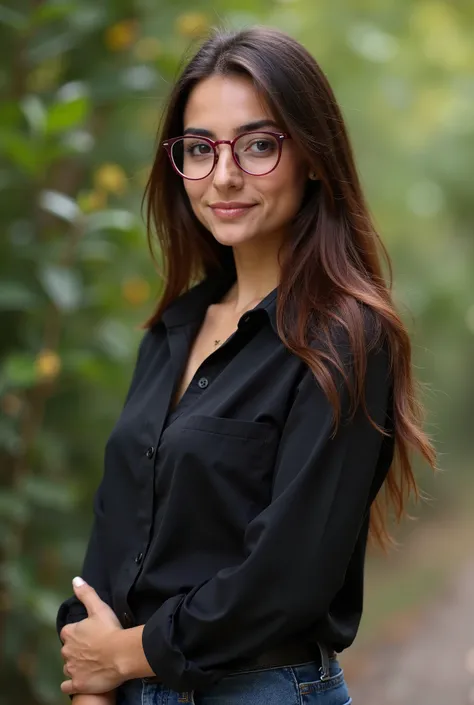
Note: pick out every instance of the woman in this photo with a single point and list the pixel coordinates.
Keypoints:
(269, 404)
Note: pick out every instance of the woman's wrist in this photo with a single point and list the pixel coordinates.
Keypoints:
(128, 655)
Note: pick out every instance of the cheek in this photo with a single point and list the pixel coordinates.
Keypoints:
(285, 190)
(195, 192)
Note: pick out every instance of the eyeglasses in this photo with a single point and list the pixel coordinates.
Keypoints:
(256, 153)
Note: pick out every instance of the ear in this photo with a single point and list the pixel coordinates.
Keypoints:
(313, 176)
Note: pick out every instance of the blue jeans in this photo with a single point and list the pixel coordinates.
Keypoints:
(299, 684)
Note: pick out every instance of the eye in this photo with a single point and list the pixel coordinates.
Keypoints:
(198, 149)
(260, 146)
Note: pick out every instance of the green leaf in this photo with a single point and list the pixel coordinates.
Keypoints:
(86, 365)
(63, 286)
(13, 507)
(49, 11)
(13, 19)
(44, 606)
(20, 370)
(22, 151)
(110, 220)
(34, 112)
(89, 17)
(42, 492)
(10, 113)
(15, 296)
(15, 575)
(67, 115)
(52, 45)
(10, 440)
(115, 339)
(100, 250)
(60, 205)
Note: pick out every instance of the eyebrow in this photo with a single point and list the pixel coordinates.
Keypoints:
(248, 127)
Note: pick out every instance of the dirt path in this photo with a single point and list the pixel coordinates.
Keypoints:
(428, 661)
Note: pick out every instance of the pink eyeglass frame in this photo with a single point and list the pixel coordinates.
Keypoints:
(281, 136)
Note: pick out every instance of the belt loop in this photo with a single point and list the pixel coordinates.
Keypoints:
(324, 668)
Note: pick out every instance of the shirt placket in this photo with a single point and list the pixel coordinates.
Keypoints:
(148, 467)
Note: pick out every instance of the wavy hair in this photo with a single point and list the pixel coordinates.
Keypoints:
(331, 274)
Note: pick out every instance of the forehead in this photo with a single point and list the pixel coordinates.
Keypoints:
(222, 103)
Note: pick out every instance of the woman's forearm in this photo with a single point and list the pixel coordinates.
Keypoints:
(88, 699)
(128, 655)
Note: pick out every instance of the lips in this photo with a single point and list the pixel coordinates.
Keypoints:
(231, 209)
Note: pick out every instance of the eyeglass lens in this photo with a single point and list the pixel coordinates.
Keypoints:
(256, 153)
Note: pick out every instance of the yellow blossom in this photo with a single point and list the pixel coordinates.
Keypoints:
(192, 24)
(135, 291)
(92, 200)
(111, 178)
(121, 35)
(48, 364)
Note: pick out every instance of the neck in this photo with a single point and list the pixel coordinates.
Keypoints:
(256, 277)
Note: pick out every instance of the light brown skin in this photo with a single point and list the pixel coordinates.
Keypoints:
(221, 104)
(100, 654)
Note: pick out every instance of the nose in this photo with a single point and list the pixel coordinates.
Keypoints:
(226, 172)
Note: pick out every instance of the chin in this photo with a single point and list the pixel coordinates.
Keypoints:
(232, 236)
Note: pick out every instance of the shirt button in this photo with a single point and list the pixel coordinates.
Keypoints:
(203, 382)
(150, 452)
(126, 620)
(138, 558)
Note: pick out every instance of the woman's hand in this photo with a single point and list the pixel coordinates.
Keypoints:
(87, 649)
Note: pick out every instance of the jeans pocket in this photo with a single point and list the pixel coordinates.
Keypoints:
(330, 691)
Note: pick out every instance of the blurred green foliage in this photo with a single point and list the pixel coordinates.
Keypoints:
(82, 87)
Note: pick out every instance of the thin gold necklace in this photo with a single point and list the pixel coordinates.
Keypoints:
(254, 302)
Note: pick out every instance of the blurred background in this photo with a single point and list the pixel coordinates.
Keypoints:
(83, 83)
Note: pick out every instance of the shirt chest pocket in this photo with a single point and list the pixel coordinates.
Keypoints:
(224, 468)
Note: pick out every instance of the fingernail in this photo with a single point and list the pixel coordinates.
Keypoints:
(77, 582)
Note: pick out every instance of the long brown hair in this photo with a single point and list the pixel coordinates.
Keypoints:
(331, 274)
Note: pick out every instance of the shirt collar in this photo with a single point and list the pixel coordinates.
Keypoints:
(191, 306)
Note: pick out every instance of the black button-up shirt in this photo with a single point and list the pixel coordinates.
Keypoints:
(234, 521)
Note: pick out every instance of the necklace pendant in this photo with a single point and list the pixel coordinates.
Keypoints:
(216, 342)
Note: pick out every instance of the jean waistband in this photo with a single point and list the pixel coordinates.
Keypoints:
(288, 654)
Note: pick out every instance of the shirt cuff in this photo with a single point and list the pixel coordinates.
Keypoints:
(165, 657)
(71, 610)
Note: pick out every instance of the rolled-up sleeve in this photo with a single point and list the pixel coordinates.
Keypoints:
(297, 549)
